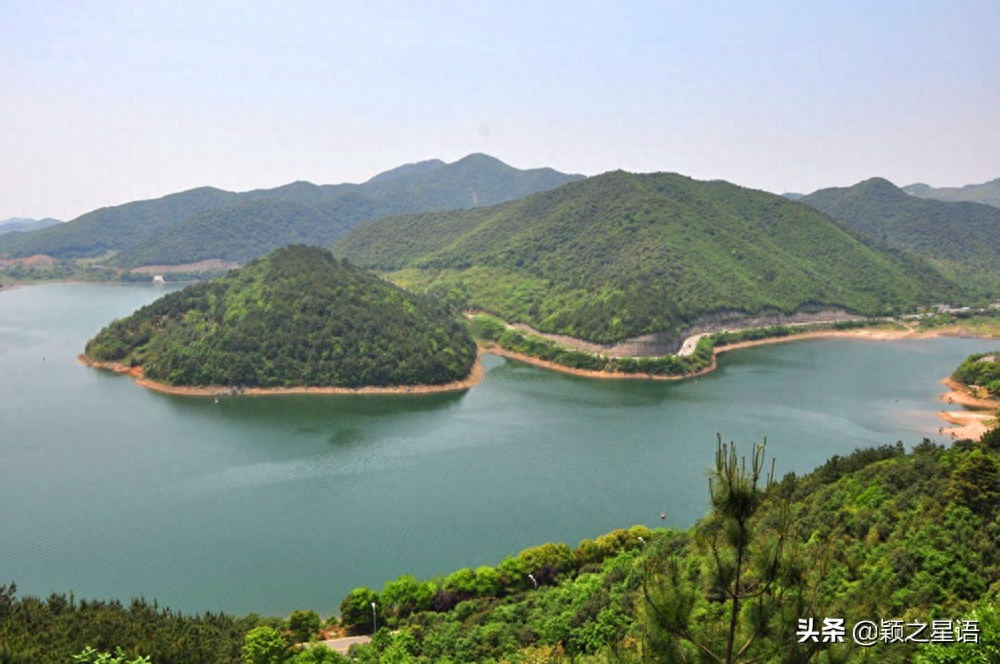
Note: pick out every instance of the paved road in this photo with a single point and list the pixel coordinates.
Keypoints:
(341, 645)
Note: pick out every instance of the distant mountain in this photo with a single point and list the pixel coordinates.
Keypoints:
(297, 317)
(409, 169)
(618, 255)
(792, 196)
(210, 223)
(987, 192)
(24, 224)
(962, 239)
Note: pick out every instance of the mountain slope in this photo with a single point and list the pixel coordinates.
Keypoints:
(298, 317)
(209, 223)
(619, 255)
(24, 225)
(963, 239)
(114, 228)
(987, 192)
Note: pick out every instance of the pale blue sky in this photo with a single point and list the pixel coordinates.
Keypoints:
(106, 102)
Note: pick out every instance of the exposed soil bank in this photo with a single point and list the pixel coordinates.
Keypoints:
(967, 423)
(474, 377)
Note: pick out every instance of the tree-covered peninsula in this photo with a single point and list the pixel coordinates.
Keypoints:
(296, 318)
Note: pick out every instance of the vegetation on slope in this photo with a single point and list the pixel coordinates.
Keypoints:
(209, 223)
(114, 228)
(23, 225)
(298, 317)
(619, 255)
(982, 369)
(877, 535)
(963, 239)
(987, 192)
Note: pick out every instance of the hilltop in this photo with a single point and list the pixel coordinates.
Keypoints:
(620, 255)
(298, 317)
(961, 239)
(208, 223)
(24, 224)
(987, 192)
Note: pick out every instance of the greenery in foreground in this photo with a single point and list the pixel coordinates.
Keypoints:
(296, 318)
(878, 534)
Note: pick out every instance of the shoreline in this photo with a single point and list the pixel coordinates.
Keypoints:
(966, 423)
(475, 376)
(864, 334)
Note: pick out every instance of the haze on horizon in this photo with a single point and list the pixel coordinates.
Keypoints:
(106, 102)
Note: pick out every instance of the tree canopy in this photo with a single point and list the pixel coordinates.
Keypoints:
(298, 317)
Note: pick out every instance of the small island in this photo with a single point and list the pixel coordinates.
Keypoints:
(297, 320)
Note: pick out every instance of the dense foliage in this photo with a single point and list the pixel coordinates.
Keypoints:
(53, 630)
(982, 369)
(296, 318)
(875, 535)
(619, 255)
(209, 223)
(961, 238)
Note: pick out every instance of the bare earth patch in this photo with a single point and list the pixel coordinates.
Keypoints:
(967, 423)
(210, 265)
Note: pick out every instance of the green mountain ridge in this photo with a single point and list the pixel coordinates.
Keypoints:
(207, 223)
(962, 239)
(24, 224)
(987, 192)
(298, 317)
(619, 255)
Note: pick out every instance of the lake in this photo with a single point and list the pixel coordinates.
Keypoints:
(268, 504)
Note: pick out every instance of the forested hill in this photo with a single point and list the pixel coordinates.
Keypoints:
(619, 254)
(22, 225)
(210, 223)
(298, 317)
(987, 192)
(962, 239)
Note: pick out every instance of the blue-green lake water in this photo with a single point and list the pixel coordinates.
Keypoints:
(267, 504)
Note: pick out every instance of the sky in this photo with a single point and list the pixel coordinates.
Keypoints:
(102, 103)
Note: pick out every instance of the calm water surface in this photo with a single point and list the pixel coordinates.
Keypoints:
(269, 504)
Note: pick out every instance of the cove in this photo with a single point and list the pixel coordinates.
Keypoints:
(268, 504)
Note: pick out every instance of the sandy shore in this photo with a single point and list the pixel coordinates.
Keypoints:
(967, 423)
(474, 377)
